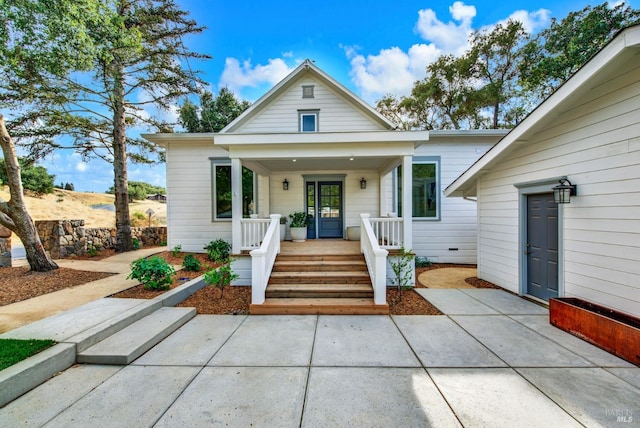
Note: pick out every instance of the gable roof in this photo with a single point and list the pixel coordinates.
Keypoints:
(622, 51)
(307, 68)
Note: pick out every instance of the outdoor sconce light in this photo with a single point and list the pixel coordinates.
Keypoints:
(563, 192)
(363, 183)
(285, 185)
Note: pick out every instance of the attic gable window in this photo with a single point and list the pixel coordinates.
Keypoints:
(307, 91)
(308, 120)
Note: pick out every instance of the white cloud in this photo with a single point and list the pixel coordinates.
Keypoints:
(451, 37)
(531, 21)
(391, 71)
(81, 166)
(394, 71)
(237, 76)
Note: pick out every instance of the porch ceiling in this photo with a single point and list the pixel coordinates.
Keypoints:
(323, 163)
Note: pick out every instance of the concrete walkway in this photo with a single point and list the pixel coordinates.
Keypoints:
(18, 314)
(493, 360)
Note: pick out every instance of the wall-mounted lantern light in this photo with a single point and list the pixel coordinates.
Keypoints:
(563, 192)
(363, 183)
(285, 185)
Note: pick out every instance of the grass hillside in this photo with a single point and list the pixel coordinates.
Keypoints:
(68, 205)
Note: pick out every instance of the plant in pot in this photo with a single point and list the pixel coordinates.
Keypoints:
(298, 226)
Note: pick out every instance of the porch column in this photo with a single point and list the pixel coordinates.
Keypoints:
(382, 201)
(236, 205)
(407, 202)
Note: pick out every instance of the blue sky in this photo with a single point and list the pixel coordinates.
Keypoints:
(372, 47)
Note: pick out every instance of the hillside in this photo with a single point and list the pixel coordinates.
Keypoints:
(68, 205)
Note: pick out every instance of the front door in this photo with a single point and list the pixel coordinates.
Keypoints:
(542, 246)
(329, 209)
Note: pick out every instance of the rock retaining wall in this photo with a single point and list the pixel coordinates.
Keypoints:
(68, 238)
(5, 247)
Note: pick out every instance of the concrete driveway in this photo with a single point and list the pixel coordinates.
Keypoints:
(493, 360)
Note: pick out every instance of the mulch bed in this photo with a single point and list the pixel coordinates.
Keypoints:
(19, 283)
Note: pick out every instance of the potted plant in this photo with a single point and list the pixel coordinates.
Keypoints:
(298, 226)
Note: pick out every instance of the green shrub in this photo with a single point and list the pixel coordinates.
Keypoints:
(154, 273)
(221, 277)
(92, 251)
(175, 251)
(218, 250)
(191, 263)
(422, 261)
(136, 243)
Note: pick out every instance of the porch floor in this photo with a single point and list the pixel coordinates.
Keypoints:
(320, 247)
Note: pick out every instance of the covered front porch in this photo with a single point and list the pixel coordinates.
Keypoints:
(340, 181)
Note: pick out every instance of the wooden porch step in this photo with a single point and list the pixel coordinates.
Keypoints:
(321, 306)
(301, 290)
(319, 265)
(321, 257)
(339, 277)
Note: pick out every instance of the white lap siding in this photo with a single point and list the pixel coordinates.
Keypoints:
(597, 145)
(189, 209)
(452, 239)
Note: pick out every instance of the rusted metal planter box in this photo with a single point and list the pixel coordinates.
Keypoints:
(606, 328)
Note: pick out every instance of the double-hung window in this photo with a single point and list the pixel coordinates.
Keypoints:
(221, 189)
(425, 190)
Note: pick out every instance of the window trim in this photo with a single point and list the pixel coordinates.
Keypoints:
(422, 160)
(314, 113)
(215, 162)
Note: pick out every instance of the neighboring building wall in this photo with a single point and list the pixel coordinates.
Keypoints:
(597, 145)
(335, 115)
(5, 247)
(189, 211)
(66, 238)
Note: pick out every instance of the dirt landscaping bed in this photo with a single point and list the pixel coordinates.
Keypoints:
(18, 284)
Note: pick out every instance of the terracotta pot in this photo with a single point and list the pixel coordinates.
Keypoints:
(606, 328)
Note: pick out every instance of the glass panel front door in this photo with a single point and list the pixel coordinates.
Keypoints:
(330, 209)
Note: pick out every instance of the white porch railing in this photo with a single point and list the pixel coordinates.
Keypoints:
(388, 232)
(376, 259)
(263, 258)
(253, 231)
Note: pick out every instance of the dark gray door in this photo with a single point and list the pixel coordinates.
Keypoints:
(329, 210)
(542, 246)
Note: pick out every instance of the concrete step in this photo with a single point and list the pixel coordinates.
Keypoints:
(321, 306)
(291, 290)
(128, 344)
(319, 265)
(339, 277)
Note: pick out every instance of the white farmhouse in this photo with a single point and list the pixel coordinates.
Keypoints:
(310, 145)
